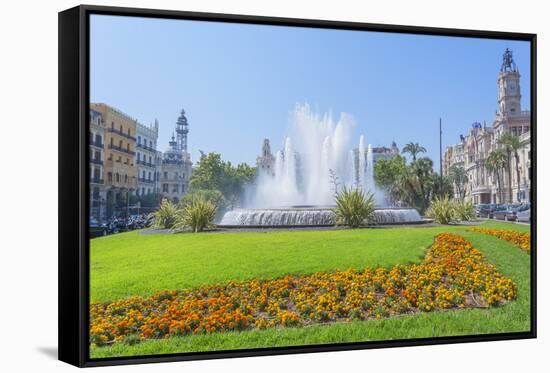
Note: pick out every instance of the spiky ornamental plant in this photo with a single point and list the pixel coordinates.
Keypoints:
(165, 216)
(464, 210)
(354, 207)
(197, 215)
(442, 210)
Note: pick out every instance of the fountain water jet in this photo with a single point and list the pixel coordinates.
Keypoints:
(299, 190)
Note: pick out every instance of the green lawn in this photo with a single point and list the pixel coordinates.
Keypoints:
(135, 264)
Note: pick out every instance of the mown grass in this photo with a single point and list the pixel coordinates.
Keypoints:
(265, 255)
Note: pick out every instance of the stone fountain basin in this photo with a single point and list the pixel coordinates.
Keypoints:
(311, 216)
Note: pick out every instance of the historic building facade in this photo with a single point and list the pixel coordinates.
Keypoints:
(96, 148)
(124, 161)
(176, 165)
(145, 159)
(382, 152)
(120, 173)
(266, 161)
(472, 150)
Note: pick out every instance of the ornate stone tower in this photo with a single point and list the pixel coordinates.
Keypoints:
(182, 129)
(266, 161)
(509, 95)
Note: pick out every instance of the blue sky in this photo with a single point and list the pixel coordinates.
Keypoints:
(239, 83)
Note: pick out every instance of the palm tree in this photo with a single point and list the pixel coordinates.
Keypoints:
(511, 145)
(413, 149)
(423, 168)
(459, 177)
(495, 163)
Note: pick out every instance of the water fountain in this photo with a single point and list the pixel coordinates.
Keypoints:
(317, 157)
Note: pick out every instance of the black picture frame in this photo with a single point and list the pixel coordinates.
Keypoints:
(74, 188)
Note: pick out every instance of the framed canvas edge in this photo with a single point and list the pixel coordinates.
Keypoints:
(73, 106)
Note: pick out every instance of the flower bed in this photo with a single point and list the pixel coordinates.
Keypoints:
(453, 275)
(521, 239)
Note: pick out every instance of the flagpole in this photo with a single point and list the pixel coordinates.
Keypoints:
(440, 150)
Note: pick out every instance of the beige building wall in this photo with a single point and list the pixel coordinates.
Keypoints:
(120, 142)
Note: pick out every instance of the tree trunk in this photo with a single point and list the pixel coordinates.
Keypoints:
(499, 188)
(516, 155)
(510, 194)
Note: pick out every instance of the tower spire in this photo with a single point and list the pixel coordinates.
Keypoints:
(508, 63)
(182, 129)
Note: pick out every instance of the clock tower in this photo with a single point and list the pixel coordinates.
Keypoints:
(509, 95)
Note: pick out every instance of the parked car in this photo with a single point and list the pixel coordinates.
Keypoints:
(495, 208)
(483, 209)
(96, 229)
(524, 214)
(508, 213)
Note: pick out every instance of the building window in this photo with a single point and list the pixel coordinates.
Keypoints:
(165, 188)
(110, 177)
(151, 144)
(117, 177)
(150, 160)
(120, 144)
(125, 178)
(149, 175)
(139, 140)
(176, 188)
(165, 175)
(138, 157)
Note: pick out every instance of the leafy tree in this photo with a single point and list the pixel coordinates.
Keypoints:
(441, 186)
(495, 164)
(413, 149)
(511, 144)
(150, 200)
(413, 184)
(212, 173)
(388, 175)
(459, 178)
(209, 173)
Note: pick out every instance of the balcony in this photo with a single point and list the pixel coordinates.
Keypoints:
(97, 144)
(96, 180)
(118, 148)
(145, 147)
(143, 163)
(121, 133)
(96, 161)
(146, 181)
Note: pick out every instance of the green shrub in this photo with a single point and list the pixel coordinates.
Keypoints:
(442, 210)
(354, 207)
(196, 215)
(165, 216)
(464, 210)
